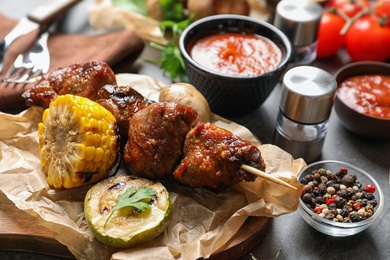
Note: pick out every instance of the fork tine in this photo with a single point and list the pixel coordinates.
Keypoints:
(15, 67)
(29, 76)
(25, 75)
(30, 64)
(15, 73)
(37, 73)
(11, 72)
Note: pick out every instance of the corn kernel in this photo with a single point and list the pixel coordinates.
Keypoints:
(98, 155)
(78, 141)
(89, 139)
(90, 153)
(97, 140)
(79, 151)
(106, 157)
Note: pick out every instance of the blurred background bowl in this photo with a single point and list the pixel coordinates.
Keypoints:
(340, 229)
(370, 127)
(233, 95)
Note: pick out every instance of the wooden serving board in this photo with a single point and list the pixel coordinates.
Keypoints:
(20, 231)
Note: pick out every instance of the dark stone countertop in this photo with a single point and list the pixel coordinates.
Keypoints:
(289, 236)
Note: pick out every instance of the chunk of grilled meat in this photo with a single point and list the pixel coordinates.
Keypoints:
(123, 102)
(156, 137)
(78, 79)
(213, 157)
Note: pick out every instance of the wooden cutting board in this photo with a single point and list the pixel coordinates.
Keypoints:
(20, 231)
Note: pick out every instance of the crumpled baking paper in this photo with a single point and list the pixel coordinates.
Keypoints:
(202, 221)
(103, 14)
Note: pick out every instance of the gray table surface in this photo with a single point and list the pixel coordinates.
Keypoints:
(289, 236)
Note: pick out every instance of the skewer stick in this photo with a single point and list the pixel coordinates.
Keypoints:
(262, 174)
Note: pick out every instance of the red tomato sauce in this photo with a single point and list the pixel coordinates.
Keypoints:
(236, 54)
(367, 94)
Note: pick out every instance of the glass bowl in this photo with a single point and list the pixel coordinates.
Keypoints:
(331, 227)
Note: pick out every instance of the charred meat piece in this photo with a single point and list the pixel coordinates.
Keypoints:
(156, 137)
(213, 157)
(123, 102)
(78, 79)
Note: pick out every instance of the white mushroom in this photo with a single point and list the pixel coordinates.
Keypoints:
(186, 94)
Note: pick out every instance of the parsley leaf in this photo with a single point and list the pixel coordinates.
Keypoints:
(171, 60)
(172, 10)
(175, 20)
(133, 197)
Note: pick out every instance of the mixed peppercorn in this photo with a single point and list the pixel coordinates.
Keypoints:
(338, 196)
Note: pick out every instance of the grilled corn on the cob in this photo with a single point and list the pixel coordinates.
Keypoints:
(78, 141)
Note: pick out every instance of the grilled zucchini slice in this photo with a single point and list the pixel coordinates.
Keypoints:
(127, 226)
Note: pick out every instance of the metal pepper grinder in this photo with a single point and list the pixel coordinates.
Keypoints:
(299, 20)
(305, 107)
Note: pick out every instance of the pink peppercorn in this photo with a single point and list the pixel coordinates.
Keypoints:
(317, 210)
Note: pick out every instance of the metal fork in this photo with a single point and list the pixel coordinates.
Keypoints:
(30, 64)
(23, 27)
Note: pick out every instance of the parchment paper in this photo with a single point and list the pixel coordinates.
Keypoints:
(103, 14)
(202, 221)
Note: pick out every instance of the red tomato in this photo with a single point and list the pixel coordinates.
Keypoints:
(329, 38)
(382, 9)
(350, 7)
(367, 39)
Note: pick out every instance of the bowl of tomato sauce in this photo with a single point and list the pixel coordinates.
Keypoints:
(235, 61)
(362, 99)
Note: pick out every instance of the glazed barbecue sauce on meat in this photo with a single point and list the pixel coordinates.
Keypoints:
(213, 157)
(163, 139)
(78, 79)
(156, 136)
(123, 102)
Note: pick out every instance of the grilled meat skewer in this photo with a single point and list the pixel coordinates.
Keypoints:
(161, 139)
(123, 102)
(212, 158)
(78, 79)
(156, 137)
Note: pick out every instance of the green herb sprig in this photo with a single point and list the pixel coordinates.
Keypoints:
(172, 10)
(133, 197)
(171, 61)
(174, 20)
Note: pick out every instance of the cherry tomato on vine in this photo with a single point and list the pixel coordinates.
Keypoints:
(330, 39)
(349, 7)
(368, 39)
(382, 9)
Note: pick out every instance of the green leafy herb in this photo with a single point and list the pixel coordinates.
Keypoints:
(171, 60)
(172, 10)
(173, 20)
(135, 6)
(133, 197)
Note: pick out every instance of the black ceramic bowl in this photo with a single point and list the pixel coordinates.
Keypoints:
(369, 127)
(233, 95)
